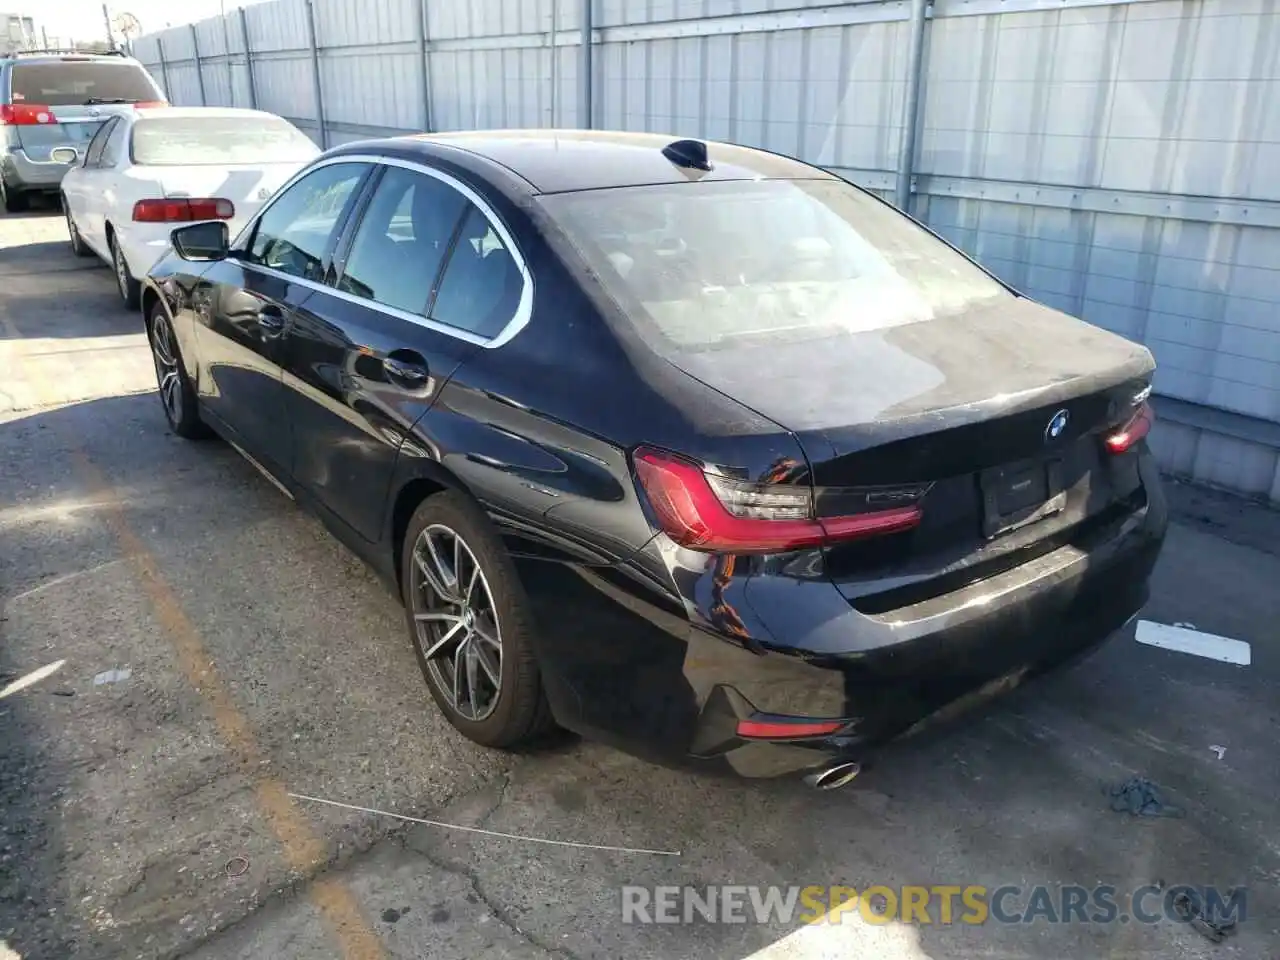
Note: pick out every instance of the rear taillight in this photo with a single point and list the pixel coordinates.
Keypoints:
(1137, 427)
(147, 104)
(708, 512)
(183, 210)
(26, 114)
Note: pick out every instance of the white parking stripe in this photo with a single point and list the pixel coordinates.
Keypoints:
(1183, 640)
(850, 939)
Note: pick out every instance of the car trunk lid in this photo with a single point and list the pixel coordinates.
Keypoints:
(990, 420)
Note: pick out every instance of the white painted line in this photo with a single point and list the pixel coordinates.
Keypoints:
(35, 676)
(849, 939)
(1194, 642)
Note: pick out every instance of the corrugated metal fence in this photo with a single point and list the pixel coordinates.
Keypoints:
(1117, 160)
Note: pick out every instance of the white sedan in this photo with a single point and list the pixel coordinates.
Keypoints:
(155, 168)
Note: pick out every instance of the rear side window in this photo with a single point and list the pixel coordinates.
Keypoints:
(697, 265)
(402, 240)
(482, 284)
(187, 141)
(65, 82)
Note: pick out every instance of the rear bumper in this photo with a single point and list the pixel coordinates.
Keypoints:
(23, 173)
(651, 681)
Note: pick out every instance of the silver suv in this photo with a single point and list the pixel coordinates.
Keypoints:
(52, 99)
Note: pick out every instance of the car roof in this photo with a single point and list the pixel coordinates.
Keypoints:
(207, 112)
(562, 161)
(68, 57)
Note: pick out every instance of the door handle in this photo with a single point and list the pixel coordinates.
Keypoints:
(406, 368)
(270, 319)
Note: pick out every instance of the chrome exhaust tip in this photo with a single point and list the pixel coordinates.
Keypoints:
(834, 776)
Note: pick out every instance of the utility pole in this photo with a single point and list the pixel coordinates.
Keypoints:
(106, 19)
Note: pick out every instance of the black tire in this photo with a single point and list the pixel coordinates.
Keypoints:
(177, 396)
(130, 289)
(15, 201)
(519, 714)
(78, 246)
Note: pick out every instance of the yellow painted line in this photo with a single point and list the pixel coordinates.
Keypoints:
(303, 848)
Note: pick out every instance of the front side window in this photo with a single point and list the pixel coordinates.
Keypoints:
(482, 283)
(402, 240)
(297, 231)
(210, 141)
(699, 265)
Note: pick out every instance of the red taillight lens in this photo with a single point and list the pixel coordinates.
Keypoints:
(1138, 426)
(26, 114)
(183, 210)
(718, 515)
(144, 104)
(787, 729)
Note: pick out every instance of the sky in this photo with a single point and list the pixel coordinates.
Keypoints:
(82, 19)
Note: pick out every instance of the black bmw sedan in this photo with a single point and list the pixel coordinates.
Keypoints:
(688, 447)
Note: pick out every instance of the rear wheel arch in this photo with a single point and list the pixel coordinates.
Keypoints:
(149, 300)
(428, 480)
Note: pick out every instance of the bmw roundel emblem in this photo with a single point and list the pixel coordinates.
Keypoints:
(1057, 424)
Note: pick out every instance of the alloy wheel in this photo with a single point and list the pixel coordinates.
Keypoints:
(167, 375)
(456, 622)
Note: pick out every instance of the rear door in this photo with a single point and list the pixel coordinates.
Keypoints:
(84, 191)
(426, 277)
(63, 101)
(245, 304)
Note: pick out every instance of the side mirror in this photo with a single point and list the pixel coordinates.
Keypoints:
(66, 155)
(202, 241)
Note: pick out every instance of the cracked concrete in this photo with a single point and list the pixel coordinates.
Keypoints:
(121, 804)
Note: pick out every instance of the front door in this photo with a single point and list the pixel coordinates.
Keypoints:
(245, 304)
(366, 359)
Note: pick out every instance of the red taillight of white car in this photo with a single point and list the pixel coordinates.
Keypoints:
(715, 514)
(183, 210)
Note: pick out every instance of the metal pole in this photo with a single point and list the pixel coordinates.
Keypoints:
(424, 71)
(911, 105)
(195, 55)
(226, 50)
(585, 69)
(106, 19)
(248, 60)
(164, 67)
(315, 73)
(555, 61)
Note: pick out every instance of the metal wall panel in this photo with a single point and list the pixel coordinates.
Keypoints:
(1113, 158)
(278, 25)
(378, 89)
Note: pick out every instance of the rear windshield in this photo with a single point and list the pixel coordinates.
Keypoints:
(698, 264)
(212, 140)
(65, 82)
